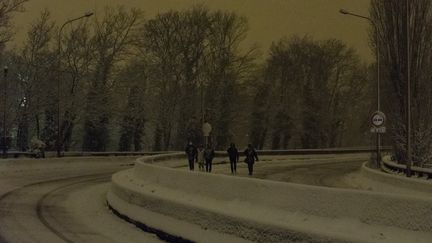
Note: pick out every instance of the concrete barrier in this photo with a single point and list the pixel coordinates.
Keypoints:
(207, 213)
(270, 211)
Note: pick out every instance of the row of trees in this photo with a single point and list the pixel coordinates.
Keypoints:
(197, 69)
(396, 22)
(316, 97)
(130, 84)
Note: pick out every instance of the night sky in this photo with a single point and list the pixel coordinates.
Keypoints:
(269, 20)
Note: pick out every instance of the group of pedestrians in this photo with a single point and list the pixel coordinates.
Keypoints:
(204, 156)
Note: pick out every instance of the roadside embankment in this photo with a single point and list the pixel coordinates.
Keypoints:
(265, 211)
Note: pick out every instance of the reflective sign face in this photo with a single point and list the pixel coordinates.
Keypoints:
(377, 120)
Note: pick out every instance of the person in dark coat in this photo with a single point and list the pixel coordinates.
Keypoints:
(251, 156)
(233, 155)
(191, 152)
(208, 156)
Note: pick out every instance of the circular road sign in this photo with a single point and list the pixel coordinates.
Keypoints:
(378, 119)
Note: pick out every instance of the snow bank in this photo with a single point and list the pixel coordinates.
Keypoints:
(414, 184)
(265, 211)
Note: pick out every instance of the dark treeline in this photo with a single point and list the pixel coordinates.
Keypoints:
(392, 22)
(129, 83)
(311, 94)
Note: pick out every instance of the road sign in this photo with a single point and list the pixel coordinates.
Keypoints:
(206, 128)
(378, 129)
(378, 119)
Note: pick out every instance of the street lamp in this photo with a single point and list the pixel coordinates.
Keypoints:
(5, 72)
(408, 105)
(378, 137)
(58, 142)
(202, 102)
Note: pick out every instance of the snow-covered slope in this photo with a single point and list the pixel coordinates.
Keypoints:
(269, 211)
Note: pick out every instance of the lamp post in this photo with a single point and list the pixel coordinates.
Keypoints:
(202, 110)
(58, 142)
(5, 72)
(408, 80)
(378, 136)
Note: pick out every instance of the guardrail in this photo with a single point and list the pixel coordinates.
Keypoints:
(401, 168)
(113, 153)
(16, 154)
(321, 151)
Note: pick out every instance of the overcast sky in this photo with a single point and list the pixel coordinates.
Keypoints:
(269, 20)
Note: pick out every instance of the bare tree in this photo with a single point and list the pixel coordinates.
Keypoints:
(134, 116)
(227, 68)
(162, 41)
(391, 19)
(313, 83)
(7, 8)
(76, 62)
(112, 40)
(34, 65)
(195, 58)
(193, 36)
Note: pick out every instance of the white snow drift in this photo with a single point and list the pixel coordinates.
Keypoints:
(268, 211)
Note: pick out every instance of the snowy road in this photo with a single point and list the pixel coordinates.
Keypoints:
(62, 200)
(330, 175)
(319, 170)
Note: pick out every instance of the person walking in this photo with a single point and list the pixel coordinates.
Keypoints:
(251, 156)
(191, 152)
(233, 155)
(200, 157)
(209, 155)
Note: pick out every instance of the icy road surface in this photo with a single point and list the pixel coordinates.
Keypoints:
(62, 200)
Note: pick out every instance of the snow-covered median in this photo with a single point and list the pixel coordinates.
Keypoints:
(269, 211)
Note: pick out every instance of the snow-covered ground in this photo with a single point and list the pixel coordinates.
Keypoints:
(58, 200)
(62, 200)
(320, 170)
(338, 171)
(266, 211)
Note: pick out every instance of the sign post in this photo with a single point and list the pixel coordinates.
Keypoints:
(378, 121)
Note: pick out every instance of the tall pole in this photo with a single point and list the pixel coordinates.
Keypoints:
(408, 103)
(59, 144)
(5, 72)
(378, 135)
(202, 112)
